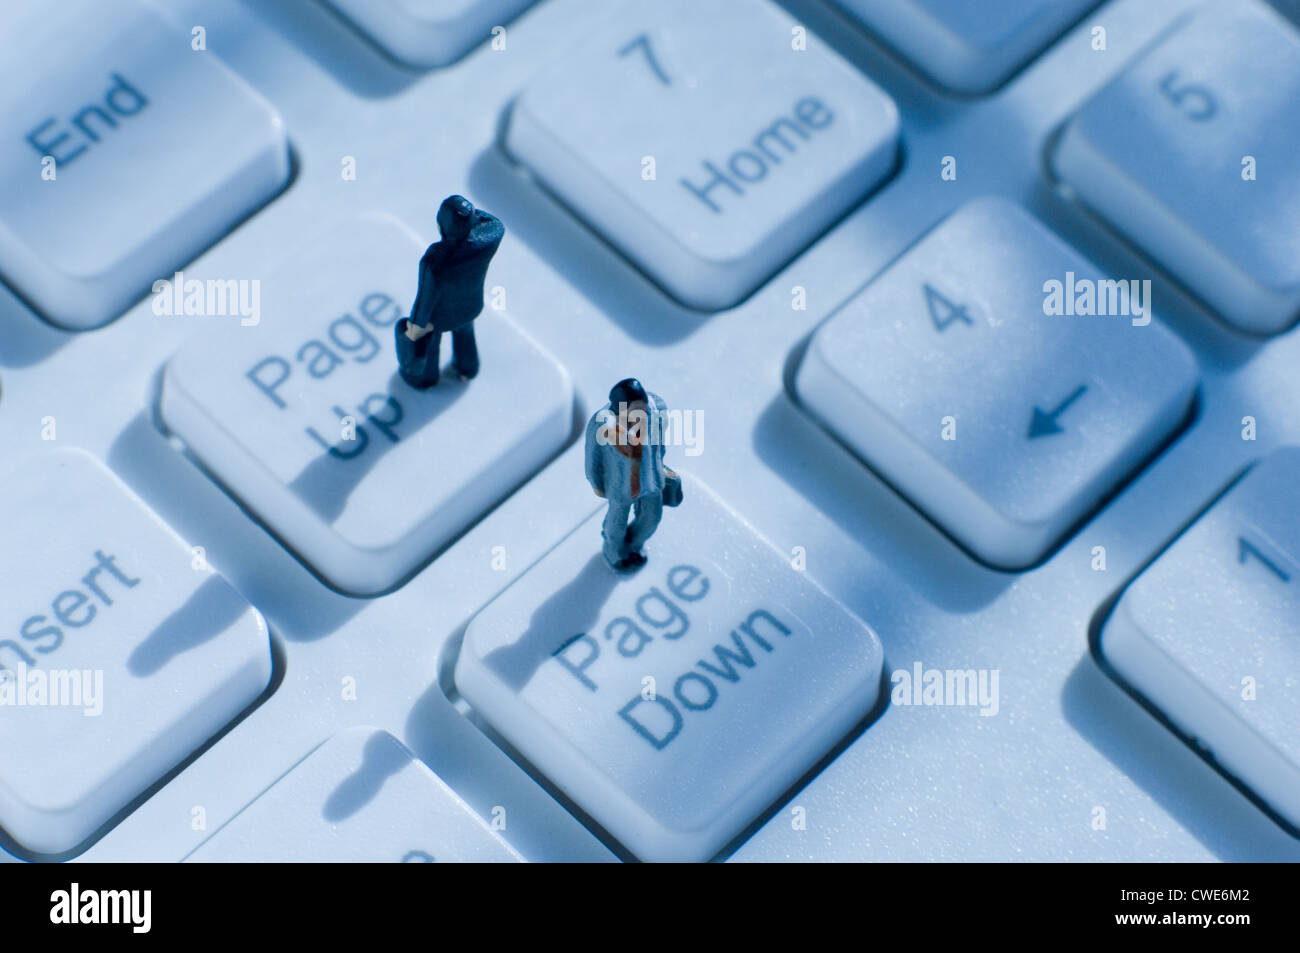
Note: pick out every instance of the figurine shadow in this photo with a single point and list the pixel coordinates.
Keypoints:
(327, 482)
(380, 760)
(194, 502)
(209, 611)
(569, 612)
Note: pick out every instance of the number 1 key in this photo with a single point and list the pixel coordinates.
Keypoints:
(1209, 633)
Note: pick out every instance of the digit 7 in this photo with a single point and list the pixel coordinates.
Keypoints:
(1246, 550)
(642, 40)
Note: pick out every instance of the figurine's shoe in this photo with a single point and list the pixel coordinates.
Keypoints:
(630, 561)
(418, 382)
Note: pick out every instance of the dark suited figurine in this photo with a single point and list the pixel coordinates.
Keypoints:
(450, 294)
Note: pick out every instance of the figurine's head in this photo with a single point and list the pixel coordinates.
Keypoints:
(628, 399)
(628, 391)
(455, 218)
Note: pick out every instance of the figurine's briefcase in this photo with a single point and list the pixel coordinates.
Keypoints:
(672, 489)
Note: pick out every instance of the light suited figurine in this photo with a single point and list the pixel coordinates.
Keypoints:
(450, 293)
(625, 465)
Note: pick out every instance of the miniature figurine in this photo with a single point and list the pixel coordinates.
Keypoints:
(625, 465)
(450, 293)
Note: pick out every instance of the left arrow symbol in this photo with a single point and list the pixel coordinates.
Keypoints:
(1043, 423)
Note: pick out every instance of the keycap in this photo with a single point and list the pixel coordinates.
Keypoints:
(709, 140)
(121, 650)
(1002, 422)
(300, 412)
(1194, 154)
(428, 33)
(125, 153)
(676, 703)
(360, 797)
(966, 47)
(1208, 633)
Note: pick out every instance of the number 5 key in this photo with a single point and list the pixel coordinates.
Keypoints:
(1194, 154)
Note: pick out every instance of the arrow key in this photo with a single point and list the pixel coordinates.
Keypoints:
(960, 375)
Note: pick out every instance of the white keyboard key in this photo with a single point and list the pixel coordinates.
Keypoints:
(676, 703)
(427, 33)
(120, 657)
(361, 797)
(1005, 460)
(1210, 633)
(157, 150)
(1194, 153)
(968, 47)
(755, 147)
(304, 418)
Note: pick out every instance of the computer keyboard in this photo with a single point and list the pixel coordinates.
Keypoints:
(959, 574)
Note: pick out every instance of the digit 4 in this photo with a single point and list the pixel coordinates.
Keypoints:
(944, 312)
